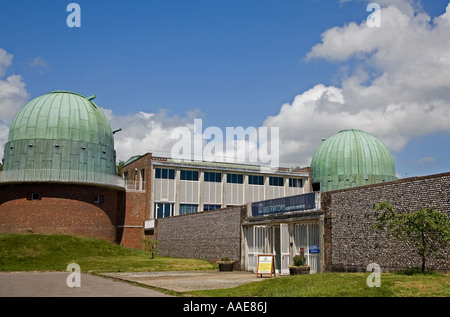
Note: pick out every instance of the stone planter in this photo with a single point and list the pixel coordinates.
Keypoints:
(226, 266)
(299, 270)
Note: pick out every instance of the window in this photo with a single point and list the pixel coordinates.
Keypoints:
(276, 181)
(256, 180)
(188, 209)
(211, 207)
(164, 173)
(235, 178)
(163, 210)
(98, 199)
(186, 175)
(295, 182)
(213, 177)
(316, 187)
(35, 196)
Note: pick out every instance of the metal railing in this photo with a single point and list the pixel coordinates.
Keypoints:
(70, 176)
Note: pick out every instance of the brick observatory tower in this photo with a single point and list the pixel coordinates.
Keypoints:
(59, 170)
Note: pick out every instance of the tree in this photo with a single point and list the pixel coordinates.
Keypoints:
(151, 246)
(119, 166)
(428, 229)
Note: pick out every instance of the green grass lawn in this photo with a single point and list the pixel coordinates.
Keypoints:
(36, 252)
(339, 285)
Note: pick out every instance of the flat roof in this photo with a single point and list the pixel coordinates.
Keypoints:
(234, 167)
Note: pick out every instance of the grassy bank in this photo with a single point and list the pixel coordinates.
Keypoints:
(339, 285)
(36, 252)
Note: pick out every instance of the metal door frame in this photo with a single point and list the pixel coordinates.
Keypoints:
(267, 235)
(312, 237)
(284, 248)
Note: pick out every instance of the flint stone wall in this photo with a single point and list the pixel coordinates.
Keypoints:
(350, 243)
(208, 235)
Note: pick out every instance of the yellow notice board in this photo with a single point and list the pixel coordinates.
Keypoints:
(265, 265)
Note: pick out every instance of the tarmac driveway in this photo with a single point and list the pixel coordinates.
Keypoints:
(54, 284)
(183, 281)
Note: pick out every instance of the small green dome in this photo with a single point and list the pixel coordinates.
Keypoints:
(351, 158)
(61, 130)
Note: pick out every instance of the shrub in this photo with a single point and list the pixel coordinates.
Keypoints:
(299, 260)
(225, 259)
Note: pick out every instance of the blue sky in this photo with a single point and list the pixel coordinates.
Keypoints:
(234, 63)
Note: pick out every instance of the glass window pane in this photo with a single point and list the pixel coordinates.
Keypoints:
(158, 210)
(235, 178)
(167, 210)
(256, 180)
(275, 181)
(295, 182)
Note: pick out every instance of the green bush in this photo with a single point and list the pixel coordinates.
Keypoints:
(299, 260)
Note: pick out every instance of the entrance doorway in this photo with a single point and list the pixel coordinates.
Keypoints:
(306, 239)
(283, 241)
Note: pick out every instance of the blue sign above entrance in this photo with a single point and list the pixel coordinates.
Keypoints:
(285, 204)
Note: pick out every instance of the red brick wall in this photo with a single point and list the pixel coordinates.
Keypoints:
(62, 208)
(131, 231)
(133, 169)
(137, 203)
(70, 209)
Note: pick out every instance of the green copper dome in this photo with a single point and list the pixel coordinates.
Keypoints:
(60, 131)
(62, 115)
(351, 158)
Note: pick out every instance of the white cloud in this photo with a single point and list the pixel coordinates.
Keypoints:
(40, 64)
(5, 61)
(426, 160)
(187, 138)
(13, 96)
(146, 132)
(409, 96)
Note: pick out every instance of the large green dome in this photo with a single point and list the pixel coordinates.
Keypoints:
(62, 115)
(351, 158)
(61, 131)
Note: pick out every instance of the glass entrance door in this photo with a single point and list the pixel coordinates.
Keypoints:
(258, 240)
(306, 238)
(268, 240)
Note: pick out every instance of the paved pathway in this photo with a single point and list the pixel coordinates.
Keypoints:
(54, 284)
(183, 281)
